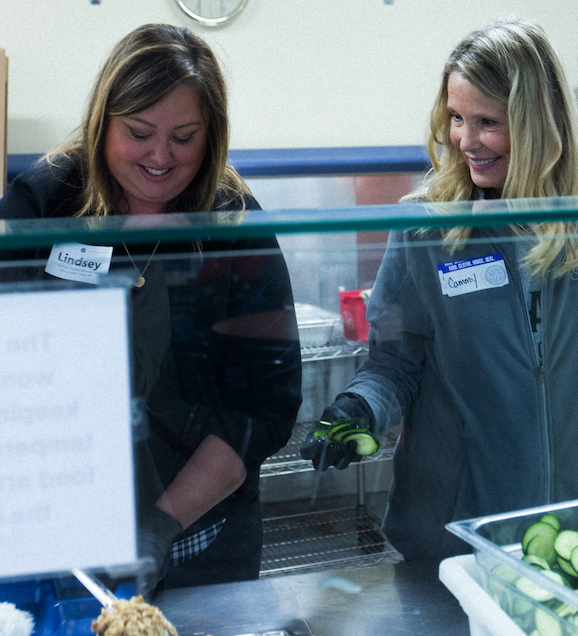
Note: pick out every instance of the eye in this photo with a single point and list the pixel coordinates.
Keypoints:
(184, 140)
(136, 136)
(455, 117)
(489, 122)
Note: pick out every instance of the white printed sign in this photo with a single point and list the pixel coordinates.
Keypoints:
(66, 471)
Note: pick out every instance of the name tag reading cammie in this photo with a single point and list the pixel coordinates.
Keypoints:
(472, 274)
(75, 261)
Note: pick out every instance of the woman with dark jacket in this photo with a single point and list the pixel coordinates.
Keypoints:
(215, 344)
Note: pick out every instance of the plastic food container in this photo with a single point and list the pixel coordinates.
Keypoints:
(461, 576)
(498, 552)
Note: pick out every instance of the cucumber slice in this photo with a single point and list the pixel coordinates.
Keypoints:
(566, 566)
(367, 444)
(542, 544)
(505, 573)
(565, 611)
(536, 561)
(546, 624)
(565, 542)
(522, 609)
(537, 592)
(552, 520)
(338, 430)
(323, 430)
(534, 591)
(500, 574)
(574, 559)
(572, 618)
(541, 528)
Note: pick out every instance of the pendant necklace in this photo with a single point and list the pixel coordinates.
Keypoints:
(141, 279)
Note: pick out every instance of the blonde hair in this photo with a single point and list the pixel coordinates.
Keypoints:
(513, 63)
(143, 68)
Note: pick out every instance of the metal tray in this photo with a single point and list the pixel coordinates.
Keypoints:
(317, 327)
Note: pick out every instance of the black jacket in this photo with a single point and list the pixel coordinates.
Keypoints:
(215, 340)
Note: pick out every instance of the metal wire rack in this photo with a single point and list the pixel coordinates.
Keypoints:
(333, 351)
(328, 538)
(324, 539)
(332, 537)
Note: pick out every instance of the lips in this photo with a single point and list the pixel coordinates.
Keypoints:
(482, 163)
(155, 172)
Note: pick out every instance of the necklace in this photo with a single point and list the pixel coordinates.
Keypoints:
(141, 279)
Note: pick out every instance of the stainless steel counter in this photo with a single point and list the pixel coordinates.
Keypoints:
(389, 599)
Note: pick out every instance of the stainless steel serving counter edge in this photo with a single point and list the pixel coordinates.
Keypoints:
(395, 599)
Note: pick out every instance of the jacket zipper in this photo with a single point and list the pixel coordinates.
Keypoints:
(541, 365)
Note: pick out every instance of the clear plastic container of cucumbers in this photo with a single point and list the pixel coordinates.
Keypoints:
(528, 561)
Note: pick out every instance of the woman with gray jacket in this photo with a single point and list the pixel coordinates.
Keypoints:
(472, 340)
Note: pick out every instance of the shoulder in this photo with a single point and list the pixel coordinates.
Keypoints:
(230, 200)
(60, 171)
(242, 203)
(48, 189)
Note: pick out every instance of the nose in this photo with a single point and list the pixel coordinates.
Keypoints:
(469, 138)
(160, 152)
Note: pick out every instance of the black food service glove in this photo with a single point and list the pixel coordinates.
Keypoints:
(156, 534)
(339, 443)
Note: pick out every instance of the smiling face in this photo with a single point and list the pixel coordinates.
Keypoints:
(480, 129)
(156, 153)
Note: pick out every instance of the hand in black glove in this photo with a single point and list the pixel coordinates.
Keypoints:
(339, 443)
(156, 534)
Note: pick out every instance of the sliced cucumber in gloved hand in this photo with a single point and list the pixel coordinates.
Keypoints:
(346, 431)
(319, 449)
(339, 443)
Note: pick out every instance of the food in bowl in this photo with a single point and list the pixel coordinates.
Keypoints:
(133, 618)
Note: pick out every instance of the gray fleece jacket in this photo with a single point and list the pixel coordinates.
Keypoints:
(488, 427)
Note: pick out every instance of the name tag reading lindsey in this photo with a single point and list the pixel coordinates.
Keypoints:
(75, 261)
(472, 274)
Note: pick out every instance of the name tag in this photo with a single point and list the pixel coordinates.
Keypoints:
(472, 274)
(75, 261)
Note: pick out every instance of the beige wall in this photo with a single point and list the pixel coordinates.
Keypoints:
(300, 72)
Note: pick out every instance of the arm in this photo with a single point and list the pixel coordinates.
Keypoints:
(265, 356)
(236, 356)
(389, 381)
(213, 472)
(384, 387)
(229, 389)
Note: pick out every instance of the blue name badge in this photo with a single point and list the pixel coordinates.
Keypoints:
(472, 274)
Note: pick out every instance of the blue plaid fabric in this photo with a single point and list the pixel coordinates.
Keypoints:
(190, 547)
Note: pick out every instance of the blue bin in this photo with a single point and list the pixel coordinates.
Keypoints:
(54, 616)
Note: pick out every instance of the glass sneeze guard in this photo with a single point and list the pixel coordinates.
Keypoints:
(256, 223)
(325, 253)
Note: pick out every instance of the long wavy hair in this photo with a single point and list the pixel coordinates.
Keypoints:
(142, 69)
(513, 63)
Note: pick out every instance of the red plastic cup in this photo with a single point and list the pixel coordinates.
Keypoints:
(355, 325)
